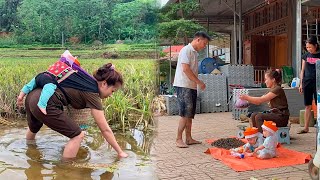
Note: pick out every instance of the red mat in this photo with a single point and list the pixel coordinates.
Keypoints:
(285, 157)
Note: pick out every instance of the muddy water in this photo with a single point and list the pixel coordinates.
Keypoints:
(96, 159)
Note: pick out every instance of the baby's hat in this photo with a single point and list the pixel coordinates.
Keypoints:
(251, 132)
(69, 57)
(270, 126)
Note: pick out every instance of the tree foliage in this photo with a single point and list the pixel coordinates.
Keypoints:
(176, 22)
(135, 19)
(176, 29)
(8, 12)
(54, 21)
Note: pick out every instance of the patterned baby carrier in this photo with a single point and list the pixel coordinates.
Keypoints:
(63, 68)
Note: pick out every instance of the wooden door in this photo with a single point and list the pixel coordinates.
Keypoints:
(261, 50)
(281, 51)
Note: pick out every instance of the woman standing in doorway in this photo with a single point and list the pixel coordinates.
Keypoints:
(308, 79)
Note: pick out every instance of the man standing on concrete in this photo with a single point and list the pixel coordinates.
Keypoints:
(185, 83)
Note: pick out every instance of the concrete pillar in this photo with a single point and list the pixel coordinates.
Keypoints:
(234, 35)
(233, 47)
(208, 29)
(296, 37)
(240, 32)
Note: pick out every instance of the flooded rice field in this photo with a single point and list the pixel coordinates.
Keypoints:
(96, 159)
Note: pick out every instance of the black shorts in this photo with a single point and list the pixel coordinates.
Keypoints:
(309, 93)
(56, 118)
(187, 100)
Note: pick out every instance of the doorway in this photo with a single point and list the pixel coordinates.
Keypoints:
(269, 51)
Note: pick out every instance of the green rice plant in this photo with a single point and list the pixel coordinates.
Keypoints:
(118, 110)
(133, 103)
(13, 75)
(128, 108)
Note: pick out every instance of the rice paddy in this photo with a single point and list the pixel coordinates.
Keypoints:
(126, 109)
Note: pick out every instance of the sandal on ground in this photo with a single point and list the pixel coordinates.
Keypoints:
(303, 131)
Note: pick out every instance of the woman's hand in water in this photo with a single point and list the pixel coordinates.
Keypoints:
(122, 154)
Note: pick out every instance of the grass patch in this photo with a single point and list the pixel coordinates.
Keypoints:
(122, 51)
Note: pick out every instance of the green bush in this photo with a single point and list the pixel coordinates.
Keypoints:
(7, 41)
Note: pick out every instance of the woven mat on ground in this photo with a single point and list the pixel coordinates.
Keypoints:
(285, 157)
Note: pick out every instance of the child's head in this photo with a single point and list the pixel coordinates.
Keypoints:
(272, 77)
(269, 128)
(251, 134)
(109, 80)
(252, 141)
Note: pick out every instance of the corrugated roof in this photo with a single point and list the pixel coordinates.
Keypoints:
(219, 13)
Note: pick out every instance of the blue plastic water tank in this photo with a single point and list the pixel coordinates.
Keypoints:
(207, 65)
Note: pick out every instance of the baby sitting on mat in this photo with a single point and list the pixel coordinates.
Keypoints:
(254, 138)
(268, 149)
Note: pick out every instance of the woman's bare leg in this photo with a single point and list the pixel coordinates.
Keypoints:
(307, 117)
(30, 135)
(72, 147)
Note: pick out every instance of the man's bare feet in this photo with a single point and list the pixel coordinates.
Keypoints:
(192, 141)
(43, 110)
(180, 144)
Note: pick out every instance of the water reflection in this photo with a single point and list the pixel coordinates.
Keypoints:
(95, 160)
(35, 168)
